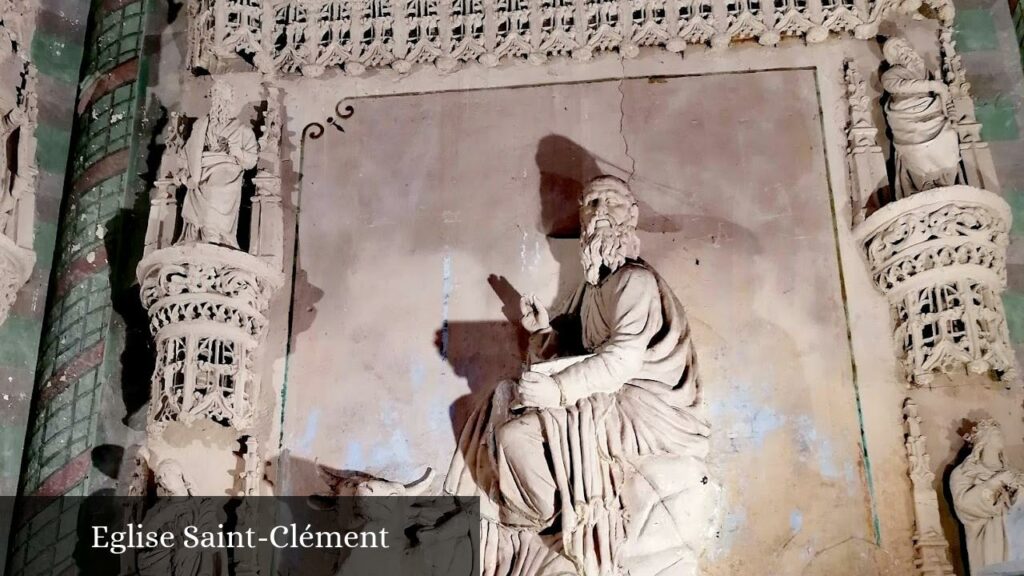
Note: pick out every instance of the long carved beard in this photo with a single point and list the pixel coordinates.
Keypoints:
(609, 247)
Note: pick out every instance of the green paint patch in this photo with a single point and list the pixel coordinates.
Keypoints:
(56, 57)
(1013, 303)
(19, 341)
(998, 120)
(54, 144)
(12, 440)
(975, 30)
(1016, 200)
(46, 239)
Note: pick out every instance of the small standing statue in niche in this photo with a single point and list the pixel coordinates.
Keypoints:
(217, 154)
(177, 508)
(12, 184)
(927, 150)
(598, 443)
(983, 490)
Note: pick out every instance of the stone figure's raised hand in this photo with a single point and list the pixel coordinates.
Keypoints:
(535, 316)
(537, 390)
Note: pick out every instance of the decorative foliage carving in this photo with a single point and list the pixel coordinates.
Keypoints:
(984, 489)
(206, 306)
(940, 257)
(309, 36)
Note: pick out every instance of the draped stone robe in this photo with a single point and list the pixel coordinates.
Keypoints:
(926, 145)
(631, 447)
(982, 510)
(214, 197)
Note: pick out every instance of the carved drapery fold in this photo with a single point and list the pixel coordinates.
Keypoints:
(309, 36)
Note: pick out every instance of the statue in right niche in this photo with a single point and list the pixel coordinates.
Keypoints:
(927, 150)
(983, 490)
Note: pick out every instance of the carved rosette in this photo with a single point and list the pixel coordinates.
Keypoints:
(207, 307)
(940, 258)
(15, 268)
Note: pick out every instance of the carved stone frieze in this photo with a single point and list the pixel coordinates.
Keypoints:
(309, 36)
(940, 258)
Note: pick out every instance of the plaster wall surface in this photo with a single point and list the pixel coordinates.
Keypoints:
(425, 219)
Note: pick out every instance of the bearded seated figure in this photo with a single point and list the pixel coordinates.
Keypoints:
(593, 461)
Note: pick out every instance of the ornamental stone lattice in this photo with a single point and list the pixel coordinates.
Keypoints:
(937, 248)
(310, 36)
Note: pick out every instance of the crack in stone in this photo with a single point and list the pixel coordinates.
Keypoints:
(622, 121)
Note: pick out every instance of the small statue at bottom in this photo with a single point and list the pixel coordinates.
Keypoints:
(983, 491)
(176, 508)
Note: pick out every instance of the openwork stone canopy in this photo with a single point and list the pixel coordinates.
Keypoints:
(940, 258)
(206, 306)
(310, 36)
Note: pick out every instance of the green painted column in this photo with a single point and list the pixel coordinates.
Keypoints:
(74, 436)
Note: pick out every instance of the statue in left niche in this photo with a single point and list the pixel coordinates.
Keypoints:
(926, 146)
(217, 154)
(175, 509)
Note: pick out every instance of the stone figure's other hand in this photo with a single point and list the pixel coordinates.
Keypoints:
(537, 390)
(535, 316)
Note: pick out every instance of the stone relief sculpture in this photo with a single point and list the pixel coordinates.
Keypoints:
(927, 151)
(611, 398)
(430, 542)
(984, 489)
(217, 154)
